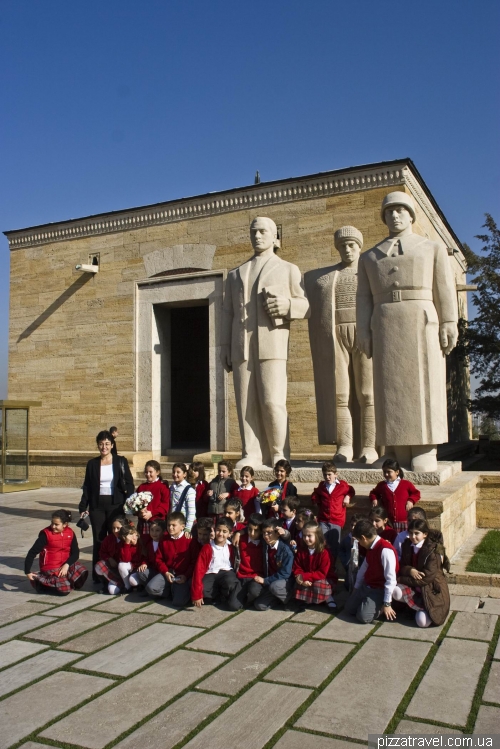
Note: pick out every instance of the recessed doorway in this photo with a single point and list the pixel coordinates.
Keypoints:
(189, 377)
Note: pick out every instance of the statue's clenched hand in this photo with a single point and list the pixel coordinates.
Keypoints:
(225, 357)
(277, 306)
(448, 336)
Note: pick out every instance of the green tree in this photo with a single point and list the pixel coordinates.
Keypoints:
(482, 335)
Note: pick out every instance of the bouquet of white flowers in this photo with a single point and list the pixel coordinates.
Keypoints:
(137, 501)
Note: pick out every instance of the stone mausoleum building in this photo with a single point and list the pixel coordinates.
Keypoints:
(137, 343)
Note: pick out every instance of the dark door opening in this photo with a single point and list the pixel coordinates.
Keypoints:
(190, 395)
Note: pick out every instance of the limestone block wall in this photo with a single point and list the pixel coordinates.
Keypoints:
(488, 500)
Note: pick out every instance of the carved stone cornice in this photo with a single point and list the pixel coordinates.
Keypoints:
(255, 196)
(324, 184)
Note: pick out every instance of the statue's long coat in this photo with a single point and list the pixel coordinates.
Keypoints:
(409, 370)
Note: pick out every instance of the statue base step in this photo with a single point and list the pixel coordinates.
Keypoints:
(309, 472)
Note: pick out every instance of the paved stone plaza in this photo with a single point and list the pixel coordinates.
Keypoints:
(94, 671)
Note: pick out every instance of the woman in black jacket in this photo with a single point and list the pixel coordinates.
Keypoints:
(108, 483)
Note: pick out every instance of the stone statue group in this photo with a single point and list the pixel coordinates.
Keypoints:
(380, 325)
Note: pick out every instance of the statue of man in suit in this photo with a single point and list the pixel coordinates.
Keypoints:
(343, 377)
(407, 316)
(261, 297)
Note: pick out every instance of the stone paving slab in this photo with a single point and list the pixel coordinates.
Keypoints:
(33, 745)
(241, 630)
(302, 740)
(239, 721)
(311, 663)
(309, 616)
(160, 608)
(496, 654)
(18, 650)
(491, 606)
(174, 723)
(464, 603)
(22, 626)
(488, 720)
(98, 722)
(243, 669)
(472, 626)
(344, 628)
(135, 651)
(71, 607)
(75, 595)
(73, 625)
(413, 728)
(13, 613)
(117, 629)
(407, 629)
(40, 665)
(35, 706)
(492, 691)
(457, 662)
(346, 707)
(205, 617)
(121, 604)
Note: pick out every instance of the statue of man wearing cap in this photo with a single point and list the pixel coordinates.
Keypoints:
(407, 320)
(344, 401)
(261, 298)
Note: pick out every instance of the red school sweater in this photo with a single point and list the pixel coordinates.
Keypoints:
(374, 575)
(160, 504)
(150, 553)
(312, 567)
(177, 555)
(132, 554)
(389, 534)
(395, 502)
(330, 507)
(251, 558)
(109, 548)
(247, 498)
(201, 489)
(57, 550)
(201, 569)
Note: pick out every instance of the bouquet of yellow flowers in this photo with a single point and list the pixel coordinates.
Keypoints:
(270, 496)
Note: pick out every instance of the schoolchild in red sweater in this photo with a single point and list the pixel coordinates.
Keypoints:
(234, 510)
(247, 492)
(205, 530)
(331, 498)
(175, 561)
(130, 556)
(376, 579)
(380, 520)
(150, 544)
(158, 508)
(251, 564)
(201, 487)
(303, 516)
(311, 567)
(214, 578)
(60, 570)
(288, 512)
(282, 470)
(396, 494)
(107, 566)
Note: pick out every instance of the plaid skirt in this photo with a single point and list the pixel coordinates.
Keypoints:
(401, 526)
(409, 595)
(319, 592)
(111, 574)
(77, 574)
(143, 527)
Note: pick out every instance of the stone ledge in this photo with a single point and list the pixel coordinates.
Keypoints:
(310, 472)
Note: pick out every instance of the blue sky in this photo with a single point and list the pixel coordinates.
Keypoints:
(118, 104)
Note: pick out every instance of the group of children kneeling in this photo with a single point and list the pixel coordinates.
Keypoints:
(218, 543)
